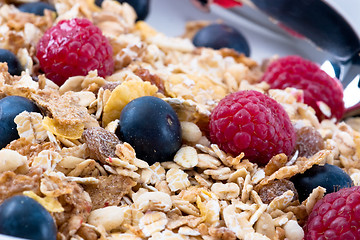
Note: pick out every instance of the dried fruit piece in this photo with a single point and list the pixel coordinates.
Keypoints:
(275, 189)
(101, 143)
(308, 141)
(122, 95)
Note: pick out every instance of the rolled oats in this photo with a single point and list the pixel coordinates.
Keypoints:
(265, 226)
(177, 179)
(155, 201)
(108, 217)
(316, 194)
(29, 126)
(206, 161)
(226, 191)
(281, 202)
(185, 206)
(152, 222)
(186, 157)
(11, 160)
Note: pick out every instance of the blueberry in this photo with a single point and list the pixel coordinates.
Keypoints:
(13, 63)
(21, 216)
(152, 127)
(10, 107)
(330, 177)
(141, 7)
(36, 8)
(218, 36)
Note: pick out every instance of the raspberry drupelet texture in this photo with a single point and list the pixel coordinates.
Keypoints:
(253, 123)
(318, 86)
(336, 216)
(74, 47)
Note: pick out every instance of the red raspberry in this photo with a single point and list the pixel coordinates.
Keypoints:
(74, 47)
(253, 123)
(336, 216)
(318, 86)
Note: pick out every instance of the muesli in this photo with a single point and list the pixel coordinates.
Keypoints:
(69, 158)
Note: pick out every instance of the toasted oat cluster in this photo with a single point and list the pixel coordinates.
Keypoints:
(70, 160)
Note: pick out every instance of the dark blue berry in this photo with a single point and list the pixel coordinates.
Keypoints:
(330, 177)
(142, 7)
(21, 216)
(36, 8)
(13, 63)
(152, 127)
(218, 36)
(10, 107)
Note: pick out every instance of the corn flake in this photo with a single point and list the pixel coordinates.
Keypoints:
(122, 95)
(49, 203)
(67, 131)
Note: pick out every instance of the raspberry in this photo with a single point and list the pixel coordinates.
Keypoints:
(318, 86)
(336, 216)
(74, 47)
(253, 123)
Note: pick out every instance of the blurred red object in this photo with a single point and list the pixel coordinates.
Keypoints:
(204, 4)
(228, 3)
